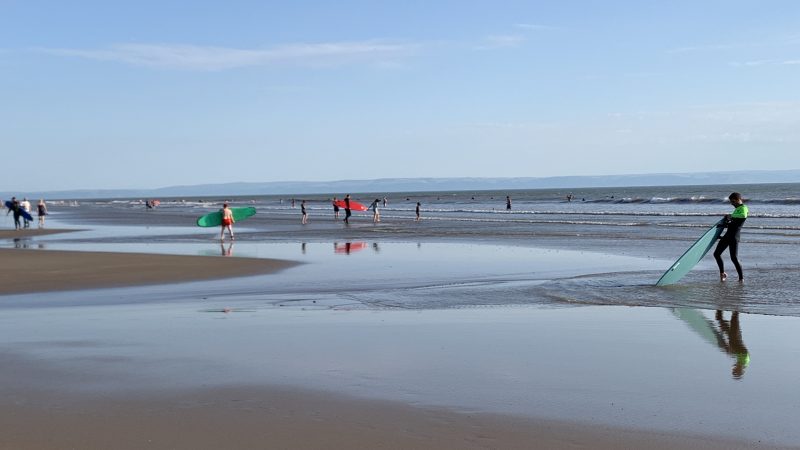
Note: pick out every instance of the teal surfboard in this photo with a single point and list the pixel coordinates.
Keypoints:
(692, 256)
(215, 219)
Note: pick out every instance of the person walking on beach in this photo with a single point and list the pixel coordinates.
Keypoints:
(347, 212)
(508, 203)
(416, 210)
(42, 210)
(733, 222)
(303, 212)
(15, 208)
(335, 208)
(376, 214)
(227, 222)
(26, 206)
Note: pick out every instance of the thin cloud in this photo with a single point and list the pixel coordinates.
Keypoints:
(194, 57)
(536, 27)
(767, 62)
(501, 41)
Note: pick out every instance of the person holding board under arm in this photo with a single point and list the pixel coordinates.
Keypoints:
(730, 240)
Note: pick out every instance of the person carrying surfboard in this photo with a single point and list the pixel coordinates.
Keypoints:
(347, 212)
(15, 208)
(227, 222)
(730, 240)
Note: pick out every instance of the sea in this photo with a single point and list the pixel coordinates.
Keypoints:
(554, 247)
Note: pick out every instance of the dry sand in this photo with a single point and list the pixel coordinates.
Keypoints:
(24, 271)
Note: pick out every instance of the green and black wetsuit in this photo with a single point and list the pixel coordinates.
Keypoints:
(731, 239)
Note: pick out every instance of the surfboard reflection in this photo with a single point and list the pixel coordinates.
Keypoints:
(724, 334)
(348, 247)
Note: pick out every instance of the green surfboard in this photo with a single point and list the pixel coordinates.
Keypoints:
(215, 219)
(692, 256)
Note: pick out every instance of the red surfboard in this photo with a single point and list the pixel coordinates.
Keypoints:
(354, 205)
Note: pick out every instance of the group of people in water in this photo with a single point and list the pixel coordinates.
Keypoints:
(22, 212)
(729, 241)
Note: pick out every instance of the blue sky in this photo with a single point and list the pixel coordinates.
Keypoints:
(99, 94)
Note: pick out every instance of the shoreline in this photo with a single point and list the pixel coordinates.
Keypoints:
(24, 271)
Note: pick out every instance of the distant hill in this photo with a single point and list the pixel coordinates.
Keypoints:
(386, 185)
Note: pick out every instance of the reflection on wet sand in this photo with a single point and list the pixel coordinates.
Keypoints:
(226, 251)
(724, 334)
(348, 247)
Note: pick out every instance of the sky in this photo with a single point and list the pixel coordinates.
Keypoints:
(147, 94)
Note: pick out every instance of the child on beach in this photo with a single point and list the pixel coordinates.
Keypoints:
(303, 212)
(227, 222)
(376, 214)
(733, 222)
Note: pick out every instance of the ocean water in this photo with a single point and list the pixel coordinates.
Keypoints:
(475, 233)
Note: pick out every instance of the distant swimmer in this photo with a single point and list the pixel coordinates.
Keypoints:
(508, 203)
(417, 211)
(303, 211)
(730, 240)
(227, 222)
(335, 208)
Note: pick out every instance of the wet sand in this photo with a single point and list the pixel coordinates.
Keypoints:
(31, 232)
(255, 418)
(153, 377)
(25, 271)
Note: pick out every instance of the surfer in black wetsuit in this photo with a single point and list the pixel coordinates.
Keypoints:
(347, 212)
(733, 222)
(508, 203)
(17, 210)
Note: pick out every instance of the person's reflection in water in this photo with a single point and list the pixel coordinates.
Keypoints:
(730, 340)
(226, 251)
(303, 248)
(375, 247)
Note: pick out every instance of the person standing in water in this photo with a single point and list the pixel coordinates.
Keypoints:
(303, 212)
(347, 212)
(376, 214)
(17, 210)
(508, 203)
(733, 222)
(335, 208)
(227, 222)
(417, 211)
(42, 210)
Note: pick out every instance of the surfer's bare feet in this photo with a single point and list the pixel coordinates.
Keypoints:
(723, 276)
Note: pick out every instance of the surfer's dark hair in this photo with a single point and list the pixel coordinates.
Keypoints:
(735, 196)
